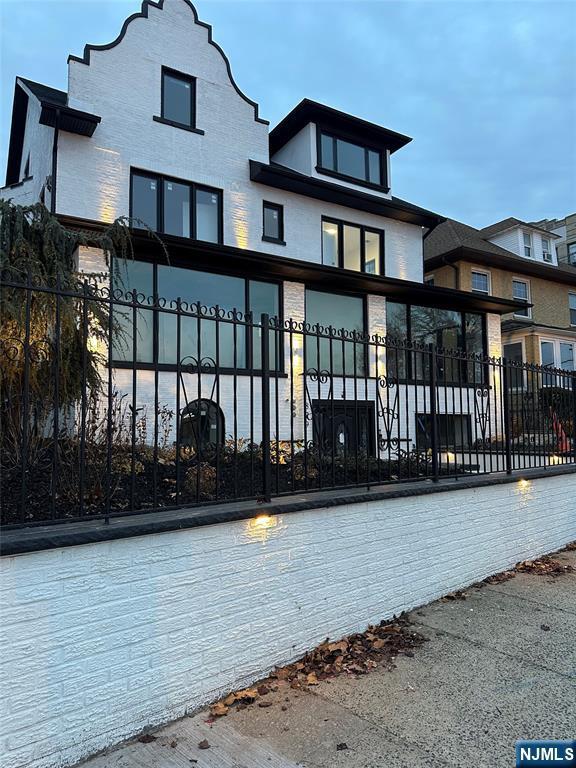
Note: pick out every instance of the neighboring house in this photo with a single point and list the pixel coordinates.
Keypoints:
(512, 259)
(299, 221)
(565, 229)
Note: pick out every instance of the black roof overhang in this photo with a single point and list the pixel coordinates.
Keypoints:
(510, 263)
(308, 111)
(19, 111)
(226, 258)
(278, 176)
(71, 120)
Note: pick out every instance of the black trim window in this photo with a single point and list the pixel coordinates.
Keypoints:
(175, 207)
(178, 98)
(352, 246)
(571, 253)
(273, 223)
(219, 344)
(444, 328)
(336, 311)
(348, 160)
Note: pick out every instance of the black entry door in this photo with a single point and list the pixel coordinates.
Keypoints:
(344, 427)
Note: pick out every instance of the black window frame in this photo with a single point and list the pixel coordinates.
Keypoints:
(571, 258)
(383, 186)
(280, 209)
(340, 223)
(246, 368)
(160, 179)
(365, 324)
(410, 377)
(161, 118)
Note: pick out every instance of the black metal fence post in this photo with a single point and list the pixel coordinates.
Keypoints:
(507, 426)
(433, 411)
(574, 415)
(266, 415)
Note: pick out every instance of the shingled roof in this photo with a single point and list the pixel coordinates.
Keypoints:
(511, 221)
(453, 234)
(450, 240)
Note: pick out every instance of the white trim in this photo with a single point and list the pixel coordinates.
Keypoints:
(529, 296)
(571, 295)
(484, 272)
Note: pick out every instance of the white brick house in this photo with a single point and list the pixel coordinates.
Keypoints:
(153, 126)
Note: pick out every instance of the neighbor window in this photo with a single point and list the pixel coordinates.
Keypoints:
(336, 354)
(158, 337)
(480, 282)
(546, 252)
(527, 244)
(572, 253)
(340, 157)
(556, 354)
(572, 306)
(273, 223)
(514, 353)
(521, 292)
(178, 98)
(177, 207)
(429, 280)
(352, 246)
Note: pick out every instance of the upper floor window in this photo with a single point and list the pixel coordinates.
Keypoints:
(527, 244)
(521, 292)
(480, 282)
(572, 253)
(352, 246)
(546, 252)
(348, 160)
(572, 305)
(176, 207)
(273, 223)
(429, 280)
(178, 98)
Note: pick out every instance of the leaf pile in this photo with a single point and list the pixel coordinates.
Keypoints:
(356, 654)
(544, 566)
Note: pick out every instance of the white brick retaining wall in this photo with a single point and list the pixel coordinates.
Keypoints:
(103, 640)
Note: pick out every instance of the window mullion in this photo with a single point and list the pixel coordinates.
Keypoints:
(193, 211)
(160, 202)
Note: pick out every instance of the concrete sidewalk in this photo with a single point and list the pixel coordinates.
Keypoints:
(500, 665)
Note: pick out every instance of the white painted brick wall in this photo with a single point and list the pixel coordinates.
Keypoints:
(101, 641)
(122, 85)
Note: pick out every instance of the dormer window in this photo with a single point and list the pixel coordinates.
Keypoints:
(527, 244)
(350, 161)
(546, 252)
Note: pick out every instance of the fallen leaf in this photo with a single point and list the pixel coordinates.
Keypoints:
(219, 709)
(311, 679)
(204, 744)
(173, 744)
(146, 738)
(264, 704)
(545, 627)
(341, 746)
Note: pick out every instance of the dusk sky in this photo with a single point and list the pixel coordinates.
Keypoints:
(487, 90)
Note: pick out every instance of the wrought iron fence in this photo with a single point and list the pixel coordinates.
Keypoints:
(115, 403)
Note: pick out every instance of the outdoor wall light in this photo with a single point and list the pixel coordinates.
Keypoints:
(260, 528)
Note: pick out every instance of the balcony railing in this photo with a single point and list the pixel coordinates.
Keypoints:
(248, 407)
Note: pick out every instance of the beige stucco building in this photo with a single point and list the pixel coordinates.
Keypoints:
(514, 259)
